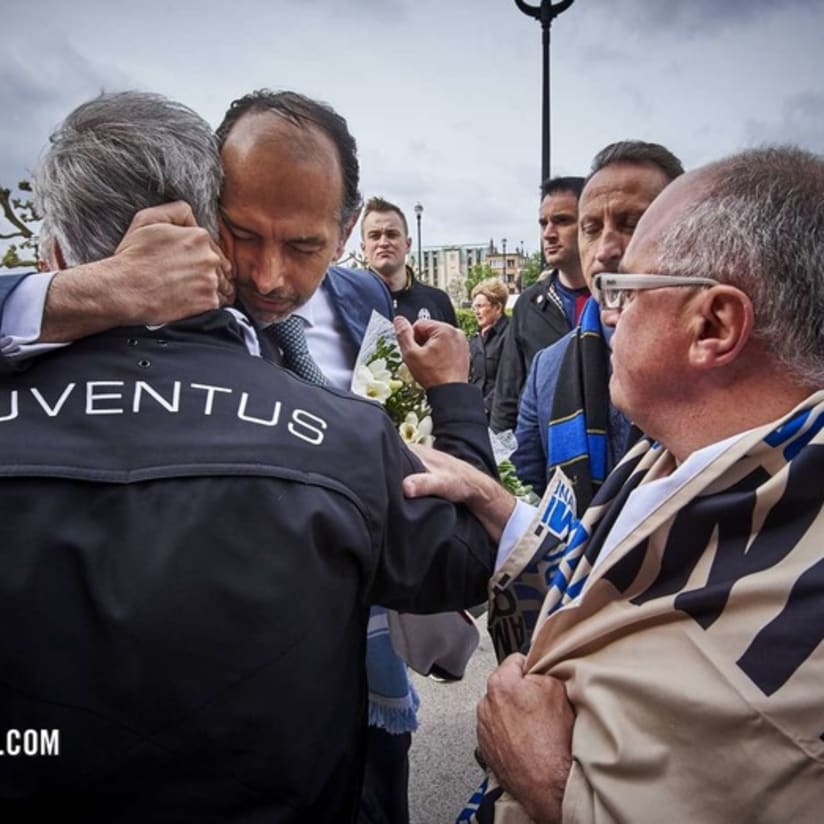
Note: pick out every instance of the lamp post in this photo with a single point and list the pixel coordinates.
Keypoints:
(546, 12)
(418, 213)
(503, 263)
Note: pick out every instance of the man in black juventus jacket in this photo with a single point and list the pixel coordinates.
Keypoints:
(192, 536)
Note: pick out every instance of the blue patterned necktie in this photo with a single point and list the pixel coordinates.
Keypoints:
(288, 336)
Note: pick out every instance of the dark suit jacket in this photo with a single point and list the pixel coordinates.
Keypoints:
(8, 283)
(354, 294)
(538, 320)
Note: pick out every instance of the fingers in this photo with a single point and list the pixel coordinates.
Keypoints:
(404, 334)
(424, 329)
(511, 670)
(225, 276)
(419, 485)
(178, 213)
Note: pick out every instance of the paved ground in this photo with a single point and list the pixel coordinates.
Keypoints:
(443, 771)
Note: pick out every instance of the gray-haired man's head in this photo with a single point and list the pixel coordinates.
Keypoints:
(115, 155)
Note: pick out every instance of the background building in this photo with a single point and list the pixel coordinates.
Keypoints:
(507, 264)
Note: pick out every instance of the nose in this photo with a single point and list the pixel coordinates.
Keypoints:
(550, 231)
(610, 250)
(609, 317)
(268, 271)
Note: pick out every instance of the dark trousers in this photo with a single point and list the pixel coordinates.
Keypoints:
(385, 798)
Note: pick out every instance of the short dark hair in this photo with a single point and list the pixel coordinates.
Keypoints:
(305, 112)
(637, 151)
(378, 204)
(575, 185)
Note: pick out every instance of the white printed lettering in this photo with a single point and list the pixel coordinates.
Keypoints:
(241, 412)
(92, 397)
(301, 427)
(210, 394)
(52, 412)
(170, 406)
(12, 407)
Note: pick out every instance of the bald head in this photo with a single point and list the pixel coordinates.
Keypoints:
(310, 119)
(756, 220)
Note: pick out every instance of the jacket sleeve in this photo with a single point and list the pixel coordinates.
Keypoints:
(433, 555)
(459, 424)
(449, 311)
(508, 382)
(8, 283)
(529, 458)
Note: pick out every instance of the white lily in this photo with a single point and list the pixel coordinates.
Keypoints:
(366, 384)
(413, 430)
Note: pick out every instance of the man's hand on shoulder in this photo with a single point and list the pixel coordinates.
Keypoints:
(165, 268)
(459, 482)
(525, 737)
(435, 352)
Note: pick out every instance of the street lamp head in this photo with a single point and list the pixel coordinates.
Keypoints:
(418, 209)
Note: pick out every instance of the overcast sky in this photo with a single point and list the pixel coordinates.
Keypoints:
(443, 96)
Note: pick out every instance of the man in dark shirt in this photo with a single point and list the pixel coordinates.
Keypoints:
(548, 309)
(385, 244)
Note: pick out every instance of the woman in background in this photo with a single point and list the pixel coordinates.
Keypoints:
(488, 302)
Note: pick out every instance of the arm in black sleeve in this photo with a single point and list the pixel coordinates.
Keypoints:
(460, 426)
(433, 555)
(508, 383)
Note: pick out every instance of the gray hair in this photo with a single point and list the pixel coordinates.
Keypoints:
(759, 226)
(115, 155)
(637, 151)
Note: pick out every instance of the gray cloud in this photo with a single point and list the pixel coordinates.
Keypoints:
(801, 122)
(39, 89)
(689, 17)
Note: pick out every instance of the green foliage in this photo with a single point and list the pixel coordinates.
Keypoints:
(408, 395)
(511, 481)
(532, 269)
(467, 322)
(18, 211)
(479, 272)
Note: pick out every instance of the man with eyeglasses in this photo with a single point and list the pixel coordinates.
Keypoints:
(676, 668)
(565, 418)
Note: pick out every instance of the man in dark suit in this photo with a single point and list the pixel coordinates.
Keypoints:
(288, 204)
(210, 530)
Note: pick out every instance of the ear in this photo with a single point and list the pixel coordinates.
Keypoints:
(408, 244)
(345, 233)
(722, 327)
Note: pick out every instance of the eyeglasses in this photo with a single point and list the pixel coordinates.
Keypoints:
(613, 291)
(481, 305)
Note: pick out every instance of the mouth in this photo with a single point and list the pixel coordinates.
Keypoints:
(268, 307)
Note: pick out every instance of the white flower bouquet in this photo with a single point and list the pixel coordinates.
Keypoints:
(381, 375)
